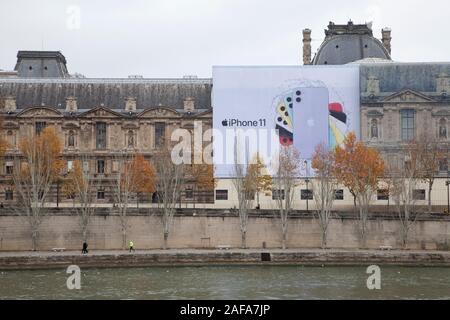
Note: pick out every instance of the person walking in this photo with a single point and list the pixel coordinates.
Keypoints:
(131, 246)
(84, 250)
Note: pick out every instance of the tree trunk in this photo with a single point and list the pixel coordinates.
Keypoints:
(244, 239)
(124, 238)
(84, 234)
(34, 236)
(257, 198)
(429, 197)
(166, 237)
(324, 239)
(283, 241)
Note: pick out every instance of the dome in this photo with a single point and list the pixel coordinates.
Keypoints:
(348, 43)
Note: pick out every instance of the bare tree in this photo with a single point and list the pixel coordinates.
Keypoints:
(404, 178)
(324, 186)
(168, 184)
(79, 185)
(36, 169)
(285, 181)
(122, 193)
(134, 176)
(429, 156)
(242, 186)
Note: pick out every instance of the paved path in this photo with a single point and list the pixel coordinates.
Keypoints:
(209, 251)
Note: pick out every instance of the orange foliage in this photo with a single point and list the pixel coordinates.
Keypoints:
(141, 174)
(203, 175)
(43, 152)
(357, 166)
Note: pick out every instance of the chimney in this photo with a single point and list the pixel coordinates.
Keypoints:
(10, 103)
(306, 46)
(130, 104)
(386, 38)
(373, 85)
(71, 104)
(443, 83)
(189, 104)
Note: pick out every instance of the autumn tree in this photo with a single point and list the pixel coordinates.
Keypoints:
(79, 185)
(203, 179)
(169, 177)
(41, 164)
(135, 175)
(259, 178)
(324, 186)
(359, 168)
(284, 183)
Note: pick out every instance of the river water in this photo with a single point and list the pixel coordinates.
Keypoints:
(228, 282)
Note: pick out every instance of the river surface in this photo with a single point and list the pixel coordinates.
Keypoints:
(228, 282)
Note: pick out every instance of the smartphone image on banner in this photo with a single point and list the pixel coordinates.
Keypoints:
(302, 118)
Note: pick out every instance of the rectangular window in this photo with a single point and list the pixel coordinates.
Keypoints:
(101, 166)
(382, 194)
(221, 194)
(9, 168)
(100, 135)
(407, 124)
(101, 194)
(277, 194)
(306, 194)
(419, 194)
(9, 195)
(443, 165)
(189, 193)
(339, 194)
(160, 134)
(40, 125)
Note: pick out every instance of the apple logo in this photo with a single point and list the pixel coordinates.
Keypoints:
(310, 122)
(224, 123)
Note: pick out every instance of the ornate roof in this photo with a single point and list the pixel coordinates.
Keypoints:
(112, 93)
(347, 43)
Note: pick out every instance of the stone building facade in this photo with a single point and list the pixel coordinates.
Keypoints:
(97, 119)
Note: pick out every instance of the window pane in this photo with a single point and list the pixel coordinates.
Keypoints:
(160, 133)
(306, 194)
(101, 135)
(221, 194)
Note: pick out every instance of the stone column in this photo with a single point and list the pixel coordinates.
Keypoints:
(306, 46)
(386, 38)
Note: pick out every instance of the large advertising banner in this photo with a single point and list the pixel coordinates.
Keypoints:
(258, 110)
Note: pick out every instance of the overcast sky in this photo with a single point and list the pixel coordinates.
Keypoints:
(172, 38)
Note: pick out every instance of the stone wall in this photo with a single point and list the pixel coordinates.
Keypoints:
(213, 230)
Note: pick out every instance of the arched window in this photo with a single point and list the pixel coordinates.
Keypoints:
(130, 139)
(374, 128)
(71, 139)
(442, 129)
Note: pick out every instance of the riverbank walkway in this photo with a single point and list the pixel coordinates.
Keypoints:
(184, 257)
